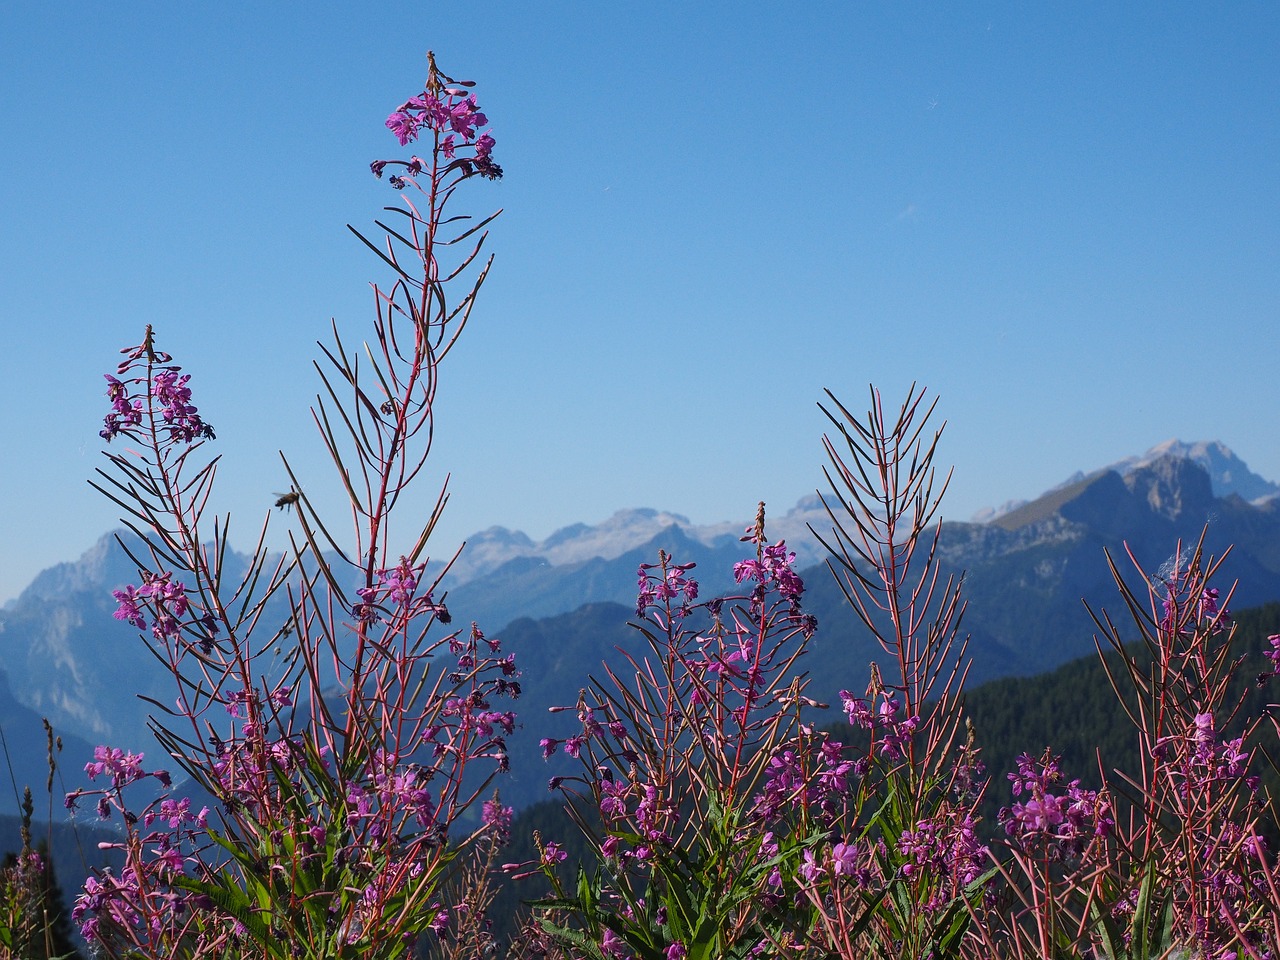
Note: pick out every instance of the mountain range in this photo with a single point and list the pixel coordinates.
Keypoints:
(1228, 474)
(562, 605)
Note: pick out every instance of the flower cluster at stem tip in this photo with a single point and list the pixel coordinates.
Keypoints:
(895, 733)
(1182, 613)
(169, 602)
(158, 389)
(1065, 821)
(448, 112)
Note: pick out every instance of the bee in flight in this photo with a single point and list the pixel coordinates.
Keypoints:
(287, 500)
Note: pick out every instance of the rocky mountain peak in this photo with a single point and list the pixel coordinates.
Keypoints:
(1173, 486)
(1228, 475)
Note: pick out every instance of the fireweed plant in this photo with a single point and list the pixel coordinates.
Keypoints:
(678, 756)
(31, 924)
(1191, 836)
(732, 827)
(342, 747)
(1166, 860)
(917, 826)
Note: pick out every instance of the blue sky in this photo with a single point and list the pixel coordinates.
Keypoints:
(1061, 218)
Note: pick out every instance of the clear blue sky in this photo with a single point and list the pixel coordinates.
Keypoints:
(1062, 218)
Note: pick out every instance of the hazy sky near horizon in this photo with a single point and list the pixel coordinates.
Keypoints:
(1063, 219)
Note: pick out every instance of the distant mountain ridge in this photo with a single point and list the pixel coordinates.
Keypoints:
(1228, 474)
(625, 530)
(1024, 578)
(1025, 573)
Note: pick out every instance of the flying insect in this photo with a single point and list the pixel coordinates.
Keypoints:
(287, 500)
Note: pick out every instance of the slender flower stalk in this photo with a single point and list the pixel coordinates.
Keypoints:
(693, 761)
(731, 826)
(341, 746)
(922, 779)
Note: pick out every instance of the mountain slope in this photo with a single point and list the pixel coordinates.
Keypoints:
(26, 758)
(1025, 575)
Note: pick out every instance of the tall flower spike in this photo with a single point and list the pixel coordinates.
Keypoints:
(451, 116)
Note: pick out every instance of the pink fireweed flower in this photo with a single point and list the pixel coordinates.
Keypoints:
(126, 411)
(1202, 736)
(498, 819)
(810, 870)
(785, 783)
(464, 117)
(406, 788)
(778, 560)
(748, 570)
(1042, 814)
(772, 566)
(612, 945)
(552, 854)
(129, 610)
(1254, 846)
(1033, 774)
(832, 780)
(613, 797)
(440, 923)
(648, 812)
(857, 710)
(1207, 611)
(590, 725)
(399, 583)
(124, 768)
(896, 734)
(455, 119)
(281, 696)
(1183, 613)
(1067, 820)
(946, 846)
(846, 862)
(1274, 656)
(359, 802)
(844, 859)
(177, 813)
(667, 582)
(504, 719)
(404, 126)
(168, 860)
(1232, 759)
(180, 415)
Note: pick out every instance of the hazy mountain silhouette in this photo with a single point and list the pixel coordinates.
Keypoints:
(561, 612)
